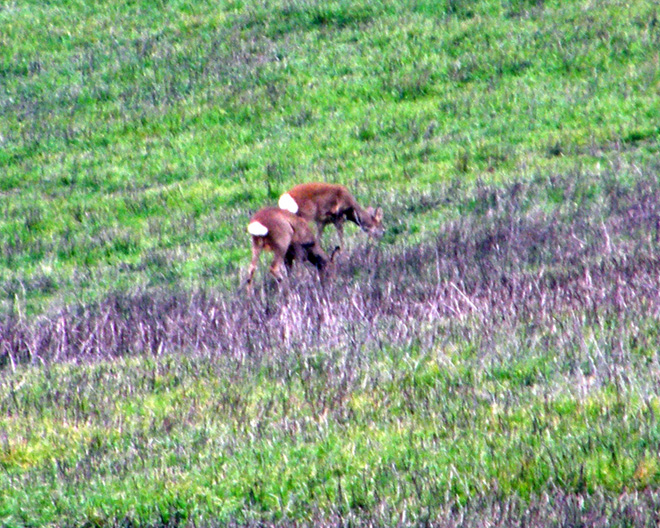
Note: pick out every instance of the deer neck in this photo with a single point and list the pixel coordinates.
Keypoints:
(361, 217)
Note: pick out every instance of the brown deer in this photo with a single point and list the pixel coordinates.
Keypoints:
(326, 203)
(289, 237)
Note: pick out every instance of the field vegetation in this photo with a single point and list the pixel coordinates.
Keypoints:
(491, 361)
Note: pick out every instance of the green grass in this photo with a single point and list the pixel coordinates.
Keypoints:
(280, 443)
(127, 128)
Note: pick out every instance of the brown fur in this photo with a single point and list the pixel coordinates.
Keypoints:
(289, 238)
(326, 203)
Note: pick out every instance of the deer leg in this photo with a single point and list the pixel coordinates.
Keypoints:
(276, 266)
(296, 251)
(339, 224)
(290, 257)
(256, 251)
(319, 258)
(320, 228)
(316, 255)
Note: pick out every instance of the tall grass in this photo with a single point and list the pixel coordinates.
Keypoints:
(504, 262)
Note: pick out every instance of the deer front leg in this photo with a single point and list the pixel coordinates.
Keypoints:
(296, 251)
(339, 224)
(315, 255)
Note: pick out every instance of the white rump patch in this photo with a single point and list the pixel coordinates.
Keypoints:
(288, 203)
(257, 229)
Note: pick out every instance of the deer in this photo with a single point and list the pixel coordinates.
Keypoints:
(327, 203)
(289, 238)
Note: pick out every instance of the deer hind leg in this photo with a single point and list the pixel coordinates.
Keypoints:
(320, 227)
(256, 251)
(280, 246)
(280, 259)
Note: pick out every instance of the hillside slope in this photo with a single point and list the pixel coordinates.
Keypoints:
(491, 361)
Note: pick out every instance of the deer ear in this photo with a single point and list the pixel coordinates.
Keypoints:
(378, 215)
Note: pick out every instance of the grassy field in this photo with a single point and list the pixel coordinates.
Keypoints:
(493, 360)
